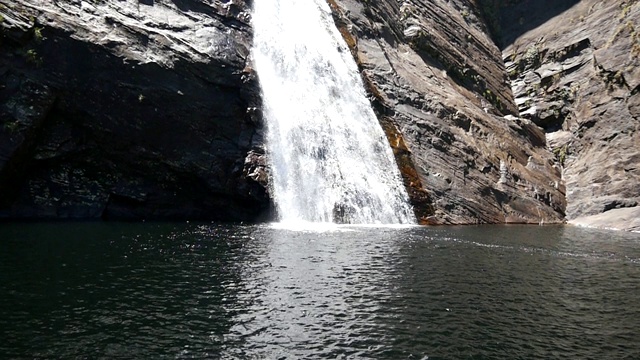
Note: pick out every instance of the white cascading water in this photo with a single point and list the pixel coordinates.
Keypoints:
(330, 160)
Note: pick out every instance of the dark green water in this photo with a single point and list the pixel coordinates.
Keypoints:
(177, 291)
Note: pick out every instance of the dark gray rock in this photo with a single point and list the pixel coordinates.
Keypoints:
(128, 110)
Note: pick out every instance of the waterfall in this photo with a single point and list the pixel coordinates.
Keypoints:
(329, 158)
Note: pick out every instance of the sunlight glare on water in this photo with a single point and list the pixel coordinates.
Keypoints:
(262, 292)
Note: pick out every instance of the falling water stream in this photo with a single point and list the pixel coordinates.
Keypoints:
(329, 157)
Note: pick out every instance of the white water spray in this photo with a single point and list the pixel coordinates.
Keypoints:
(330, 160)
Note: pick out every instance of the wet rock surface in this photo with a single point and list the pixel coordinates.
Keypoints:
(434, 72)
(129, 110)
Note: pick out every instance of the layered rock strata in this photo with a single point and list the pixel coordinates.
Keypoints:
(150, 109)
(577, 76)
(436, 75)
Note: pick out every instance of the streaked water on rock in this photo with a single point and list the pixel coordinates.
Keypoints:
(106, 290)
(329, 158)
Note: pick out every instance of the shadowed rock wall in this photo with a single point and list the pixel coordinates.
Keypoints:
(129, 110)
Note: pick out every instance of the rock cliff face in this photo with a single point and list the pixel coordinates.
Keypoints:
(121, 109)
(577, 76)
(437, 77)
(512, 111)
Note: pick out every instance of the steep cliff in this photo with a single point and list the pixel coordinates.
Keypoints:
(576, 74)
(120, 109)
(150, 109)
(438, 80)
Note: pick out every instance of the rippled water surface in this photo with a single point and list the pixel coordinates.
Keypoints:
(107, 290)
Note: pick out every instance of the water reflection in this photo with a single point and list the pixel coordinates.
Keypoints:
(222, 291)
(319, 292)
